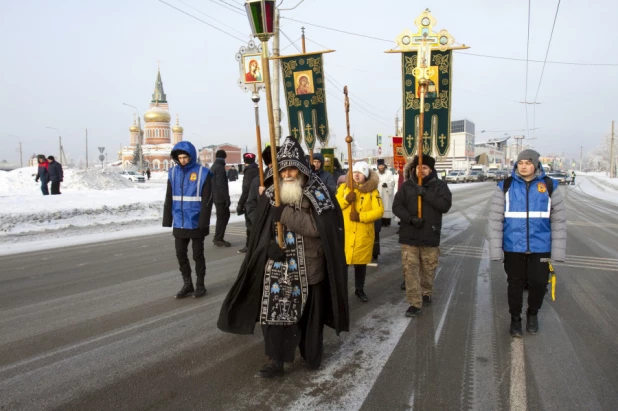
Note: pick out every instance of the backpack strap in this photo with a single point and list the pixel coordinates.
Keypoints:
(549, 183)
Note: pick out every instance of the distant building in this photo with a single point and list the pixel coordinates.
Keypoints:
(234, 156)
(158, 138)
(496, 150)
(460, 154)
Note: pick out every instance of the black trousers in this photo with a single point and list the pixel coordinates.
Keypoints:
(280, 341)
(248, 225)
(182, 245)
(55, 187)
(377, 227)
(223, 216)
(386, 222)
(44, 188)
(360, 272)
(524, 268)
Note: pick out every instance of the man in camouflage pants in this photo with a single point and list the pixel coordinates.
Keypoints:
(420, 236)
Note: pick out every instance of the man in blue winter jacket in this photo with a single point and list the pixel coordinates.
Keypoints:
(527, 227)
(187, 210)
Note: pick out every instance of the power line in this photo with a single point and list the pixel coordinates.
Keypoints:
(543, 70)
(198, 19)
(527, 58)
(339, 31)
(218, 21)
(232, 5)
(228, 7)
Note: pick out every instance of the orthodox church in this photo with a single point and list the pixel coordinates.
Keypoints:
(159, 138)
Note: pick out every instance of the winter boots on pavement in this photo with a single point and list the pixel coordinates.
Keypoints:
(222, 243)
(516, 330)
(200, 290)
(187, 288)
(360, 293)
(271, 370)
(532, 323)
(412, 311)
(426, 300)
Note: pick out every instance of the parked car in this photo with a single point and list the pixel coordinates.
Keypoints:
(133, 176)
(455, 177)
(562, 177)
(500, 175)
(491, 173)
(475, 175)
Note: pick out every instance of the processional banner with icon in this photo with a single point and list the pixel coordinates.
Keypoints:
(399, 154)
(434, 69)
(305, 96)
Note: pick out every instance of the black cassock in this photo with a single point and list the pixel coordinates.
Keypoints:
(327, 302)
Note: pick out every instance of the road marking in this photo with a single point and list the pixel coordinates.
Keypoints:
(441, 324)
(517, 392)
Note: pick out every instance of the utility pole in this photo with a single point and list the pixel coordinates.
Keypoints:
(581, 156)
(86, 149)
(396, 124)
(21, 159)
(612, 160)
(275, 82)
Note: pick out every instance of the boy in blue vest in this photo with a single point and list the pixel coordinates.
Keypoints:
(189, 189)
(527, 227)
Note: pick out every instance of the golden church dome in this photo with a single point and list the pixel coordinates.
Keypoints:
(157, 115)
(177, 129)
(134, 128)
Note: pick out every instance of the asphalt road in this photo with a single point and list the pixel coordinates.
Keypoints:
(96, 327)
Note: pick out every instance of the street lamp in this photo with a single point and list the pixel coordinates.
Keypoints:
(139, 140)
(261, 14)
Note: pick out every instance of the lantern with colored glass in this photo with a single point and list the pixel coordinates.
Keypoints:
(261, 15)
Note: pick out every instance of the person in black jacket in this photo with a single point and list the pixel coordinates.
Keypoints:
(325, 176)
(43, 173)
(56, 175)
(420, 236)
(232, 174)
(221, 198)
(255, 190)
(250, 173)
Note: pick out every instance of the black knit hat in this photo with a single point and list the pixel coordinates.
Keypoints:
(267, 158)
(291, 154)
(381, 162)
(220, 154)
(248, 158)
(51, 158)
(427, 160)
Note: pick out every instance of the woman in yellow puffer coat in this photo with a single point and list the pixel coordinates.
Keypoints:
(359, 227)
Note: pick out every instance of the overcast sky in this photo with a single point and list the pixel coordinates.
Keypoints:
(71, 64)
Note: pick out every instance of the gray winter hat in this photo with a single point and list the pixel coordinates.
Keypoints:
(531, 155)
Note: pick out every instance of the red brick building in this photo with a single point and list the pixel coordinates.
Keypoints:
(234, 154)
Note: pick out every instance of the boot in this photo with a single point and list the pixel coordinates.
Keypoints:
(426, 300)
(516, 330)
(187, 288)
(200, 290)
(532, 323)
(403, 285)
(360, 293)
(271, 370)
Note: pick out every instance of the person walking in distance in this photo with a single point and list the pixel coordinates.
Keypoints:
(386, 187)
(527, 227)
(220, 198)
(42, 173)
(56, 175)
(251, 172)
(359, 224)
(293, 292)
(420, 236)
(187, 210)
(232, 174)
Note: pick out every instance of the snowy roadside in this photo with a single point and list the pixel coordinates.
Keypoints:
(94, 206)
(598, 185)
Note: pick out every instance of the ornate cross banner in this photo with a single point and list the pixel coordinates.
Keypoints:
(437, 124)
(305, 95)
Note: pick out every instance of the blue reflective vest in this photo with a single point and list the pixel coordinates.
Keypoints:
(187, 184)
(527, 209)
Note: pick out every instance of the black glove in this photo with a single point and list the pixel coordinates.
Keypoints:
(417, 222)
(240, 210)
(420, 190)
(275, 252)
(36, 180)
(384, 185)
(228, 203)
(277, 211)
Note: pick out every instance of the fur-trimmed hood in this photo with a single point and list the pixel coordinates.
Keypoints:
(370, 184)
(406, 170)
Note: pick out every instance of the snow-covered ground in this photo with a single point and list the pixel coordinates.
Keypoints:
(99, 205)
(95, 205)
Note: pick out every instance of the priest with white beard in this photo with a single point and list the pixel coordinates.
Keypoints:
(293, 292)
(386, 187)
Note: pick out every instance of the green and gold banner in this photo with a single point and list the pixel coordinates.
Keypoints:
(437, 124)
(329, 159)
(303, 79)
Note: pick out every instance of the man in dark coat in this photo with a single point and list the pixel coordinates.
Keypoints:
(325, 176)
(251, 173)
(295, 291)
(420, 236)
(220, 198)
(43, 173)
(187, 208)
(232, 174)
(338, 170)
(256, 190)
(56, 175)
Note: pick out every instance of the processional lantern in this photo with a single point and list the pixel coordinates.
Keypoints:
(261, 15)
